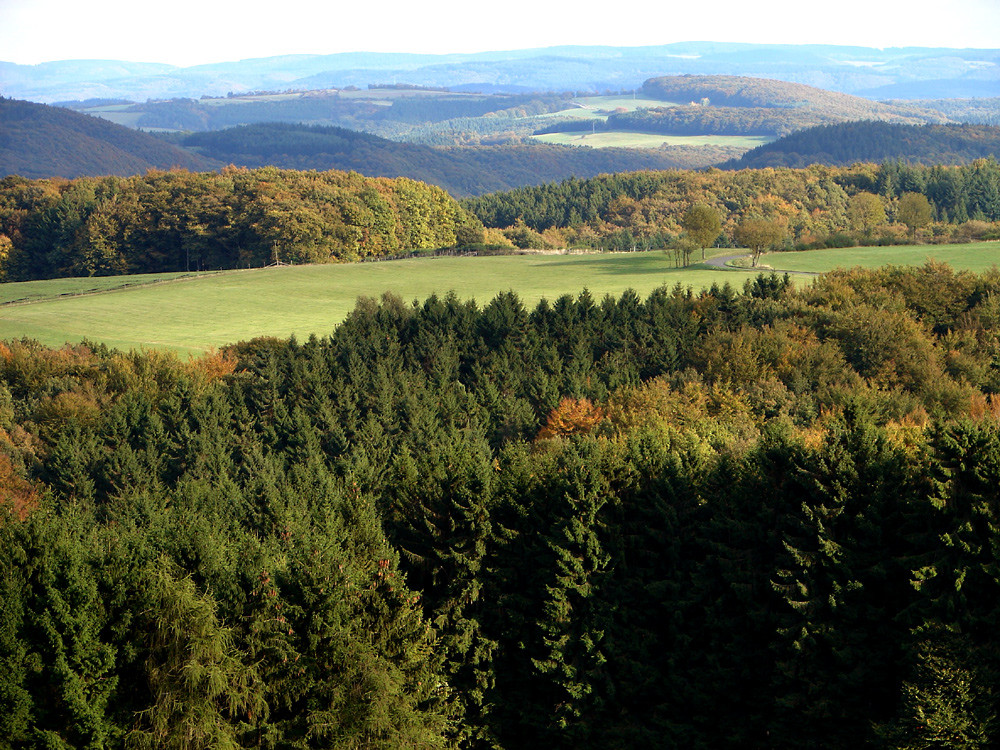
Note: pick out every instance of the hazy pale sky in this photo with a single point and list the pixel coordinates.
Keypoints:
(190, 32)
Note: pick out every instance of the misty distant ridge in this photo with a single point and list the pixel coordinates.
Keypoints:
(905, 72)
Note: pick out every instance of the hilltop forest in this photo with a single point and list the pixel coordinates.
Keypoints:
(757, 518)
(42, 141)
(736, 105)
(174, 221)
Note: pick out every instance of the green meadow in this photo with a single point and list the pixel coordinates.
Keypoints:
(194, 313)
(33, 291)
(975, 256)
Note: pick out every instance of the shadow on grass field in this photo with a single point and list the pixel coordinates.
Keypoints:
(631, 264)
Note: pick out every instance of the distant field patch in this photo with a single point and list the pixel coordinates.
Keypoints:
(249, 99)
(975, 256)
(628, 139)
(624, 102)
(115, 115)
(573, 113)
(598, 107)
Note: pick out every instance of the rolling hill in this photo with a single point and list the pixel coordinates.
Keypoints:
(728, 106)
(37, 141)
(847, 143)
(766, 93)
(461, 170)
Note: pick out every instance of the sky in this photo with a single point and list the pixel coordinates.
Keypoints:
(191, 32)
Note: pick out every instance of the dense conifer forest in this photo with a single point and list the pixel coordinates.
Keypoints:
(756, 518)
(848, 143)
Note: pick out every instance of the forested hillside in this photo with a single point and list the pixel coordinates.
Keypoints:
(743, 92)
(178, 221)
(734, 105)
(867, 141)
(861, 204)
(40, 141)
(696, 119)
(385, 110)
(758, 519)
(461, 170)
(983, 110)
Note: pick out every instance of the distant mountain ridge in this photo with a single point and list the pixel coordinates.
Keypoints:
(840, 68)
(39, 141)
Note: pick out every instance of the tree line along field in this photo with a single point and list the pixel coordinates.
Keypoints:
(180, 221)
(195, 313)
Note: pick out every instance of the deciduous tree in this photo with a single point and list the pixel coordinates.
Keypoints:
(703, 225)
(758, 235)
(914, 211)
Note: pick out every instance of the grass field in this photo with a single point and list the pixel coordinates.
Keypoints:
(196, 313)
(597, 107)
(619, 101)
(32, 291)
(975, 256)
(115, 114)
(629, 139)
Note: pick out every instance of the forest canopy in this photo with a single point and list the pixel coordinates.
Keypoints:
(645, 209)
(736, 518)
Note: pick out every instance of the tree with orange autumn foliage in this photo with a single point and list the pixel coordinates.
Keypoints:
(572, 416)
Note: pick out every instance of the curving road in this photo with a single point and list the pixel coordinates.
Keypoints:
(721, 261)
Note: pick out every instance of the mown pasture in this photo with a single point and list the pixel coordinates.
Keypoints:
(34, 291)
(975, 256)
(195, 313)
